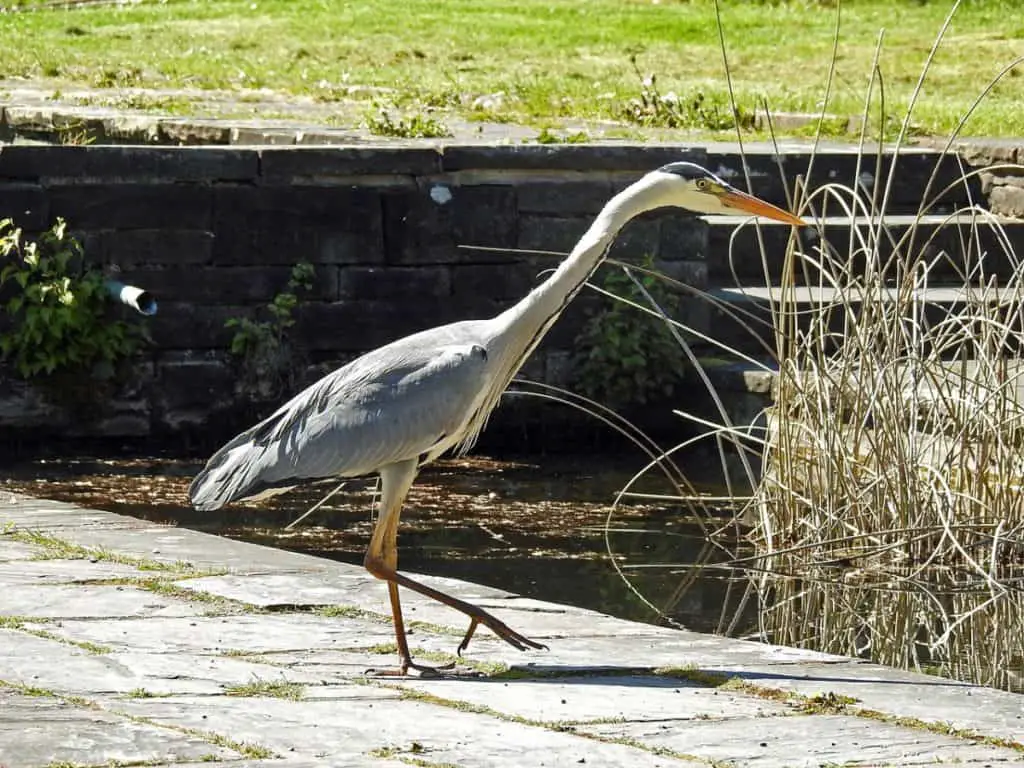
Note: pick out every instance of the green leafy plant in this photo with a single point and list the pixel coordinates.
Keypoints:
(625, 357)
(262, 347)
(60, 317)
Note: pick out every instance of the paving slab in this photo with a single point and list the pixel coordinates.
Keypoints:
(29, 660)
(443, 735)
(91, 601)
(16, 550)
(904, 694)
(35, 572)
(259, 633)
(40, 731)
(805, 740)
(625, 697)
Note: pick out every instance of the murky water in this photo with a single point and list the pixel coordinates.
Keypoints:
(540, 528)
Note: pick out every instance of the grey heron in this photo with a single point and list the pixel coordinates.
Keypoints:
(403, 405)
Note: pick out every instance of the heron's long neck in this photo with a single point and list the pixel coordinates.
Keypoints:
(521, 327)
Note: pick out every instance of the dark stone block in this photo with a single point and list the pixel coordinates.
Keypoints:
(551, 233)
(137, 163)
(348, 208)
(428, 226)
(502, 282)
(568, 157)
(152, 247)
(691, 273)
(279, 165)
(771, 175)
(638, 239)
(683, 238)
(191, 386)
(563, 197)
(133, 206)
(180, 325)
(291, 245)
(357, 326)
(26, 204)
(283, 225)
(394, 283)
(225, 285)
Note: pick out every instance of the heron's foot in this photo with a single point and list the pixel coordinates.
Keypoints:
(502, 630)
(408, 668)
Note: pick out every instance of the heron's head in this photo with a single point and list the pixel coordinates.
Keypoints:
(689, 186)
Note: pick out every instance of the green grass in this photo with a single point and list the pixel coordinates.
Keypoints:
(552, 59)
(275, 689)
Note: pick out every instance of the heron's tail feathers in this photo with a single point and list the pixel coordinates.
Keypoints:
(236, 471)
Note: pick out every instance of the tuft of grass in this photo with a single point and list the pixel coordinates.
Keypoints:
(277, 689)
(56, 548)
(20, 624)
(380, 122)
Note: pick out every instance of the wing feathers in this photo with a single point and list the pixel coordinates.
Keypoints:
(387, 406)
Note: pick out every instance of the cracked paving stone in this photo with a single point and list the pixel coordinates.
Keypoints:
(592, 698)
(65, 572)
(218, 634)
(93, 601)
(327, 728)
(805, 740)
(990, 712)
(40, 731)
(39, 662)
(16, 550)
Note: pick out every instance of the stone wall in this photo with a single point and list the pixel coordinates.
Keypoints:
(212, 232)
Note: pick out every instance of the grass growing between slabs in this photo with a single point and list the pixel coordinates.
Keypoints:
(573, 61)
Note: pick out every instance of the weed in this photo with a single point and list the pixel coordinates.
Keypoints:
(20, 624)
(277, 689)
(416, 126)
(262, 348)
(546, 136)
(623, 358)
(56, 548)
(652, 109)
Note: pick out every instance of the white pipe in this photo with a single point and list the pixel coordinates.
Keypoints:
(136, 298)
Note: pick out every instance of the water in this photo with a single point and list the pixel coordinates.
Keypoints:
(536, 527)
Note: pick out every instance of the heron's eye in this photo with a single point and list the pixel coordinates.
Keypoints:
(702, 184)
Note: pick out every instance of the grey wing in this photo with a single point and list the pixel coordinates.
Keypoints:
(390, 405)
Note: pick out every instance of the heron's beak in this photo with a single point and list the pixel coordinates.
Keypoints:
(741, 201)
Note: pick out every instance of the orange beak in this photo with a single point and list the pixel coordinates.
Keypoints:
(741, 201)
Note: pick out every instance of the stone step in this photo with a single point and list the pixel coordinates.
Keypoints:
(943, 241)
(768, 165)
(740, 317)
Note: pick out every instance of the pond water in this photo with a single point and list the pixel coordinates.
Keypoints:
(537, 527)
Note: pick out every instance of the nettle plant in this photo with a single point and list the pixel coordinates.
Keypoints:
(626, 357)
(60, 319)
(261, 347)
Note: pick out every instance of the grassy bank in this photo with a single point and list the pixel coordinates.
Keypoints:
(549, 60)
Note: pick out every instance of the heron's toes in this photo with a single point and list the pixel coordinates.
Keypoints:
(411, 669)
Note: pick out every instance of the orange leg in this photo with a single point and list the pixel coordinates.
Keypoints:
(382, 561)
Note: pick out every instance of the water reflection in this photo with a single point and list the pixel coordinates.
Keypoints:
(535, 527)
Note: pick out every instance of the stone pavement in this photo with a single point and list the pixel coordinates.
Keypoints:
(128, 643)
